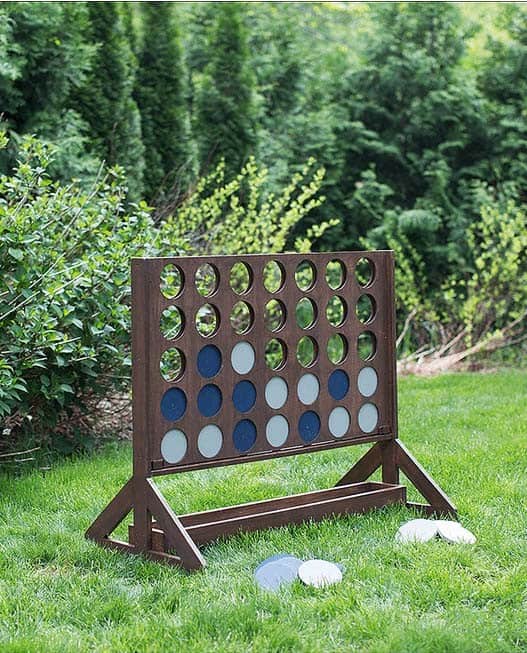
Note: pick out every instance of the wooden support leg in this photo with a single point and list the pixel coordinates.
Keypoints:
(440, 504)
(146, 500)
(393, 457)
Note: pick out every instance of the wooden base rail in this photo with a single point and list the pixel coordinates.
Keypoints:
(160, 535)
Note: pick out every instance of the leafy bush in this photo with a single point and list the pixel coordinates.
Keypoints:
(64, 286)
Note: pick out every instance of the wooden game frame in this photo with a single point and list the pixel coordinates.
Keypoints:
(161, 535)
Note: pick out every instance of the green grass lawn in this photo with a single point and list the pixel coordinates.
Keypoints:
(59, 592)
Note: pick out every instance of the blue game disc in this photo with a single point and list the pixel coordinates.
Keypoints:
(244, 435)
(309, 426)
(244, 396)
(338, 384)
(173, 404)
(209, 400)
(209, 361)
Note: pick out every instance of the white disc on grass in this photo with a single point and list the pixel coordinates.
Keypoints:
(319, 573)
(453, 532)
(417, 530)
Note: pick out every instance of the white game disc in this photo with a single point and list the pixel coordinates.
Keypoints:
(453, 532)
(319, 573)
(417, 530)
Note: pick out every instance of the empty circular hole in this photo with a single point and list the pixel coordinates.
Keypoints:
(306, 351)
(240, 278)
(365, 308)
(171, 281)
(275, 354)
(174, 446)
(207, 320)
(172, 322)
(242, 317)
(335, 274)
(273, 276)
(206, 279)
(306, 313)
(336, 310)
(337, 348)
(364, 271)
(172, 364)
(366, 345)
(305, 275)
(274, 315)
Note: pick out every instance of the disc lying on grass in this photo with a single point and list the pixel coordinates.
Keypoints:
(417, 530)
(278, 570)
(453, 532)
(319, 573)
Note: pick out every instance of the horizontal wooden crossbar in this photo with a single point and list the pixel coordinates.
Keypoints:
(206, 526)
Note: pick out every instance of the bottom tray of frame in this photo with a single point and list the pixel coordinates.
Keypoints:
(209, 525)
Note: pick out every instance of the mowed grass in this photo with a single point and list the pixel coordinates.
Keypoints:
(59, 592)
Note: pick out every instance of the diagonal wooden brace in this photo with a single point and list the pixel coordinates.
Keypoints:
(393, 457)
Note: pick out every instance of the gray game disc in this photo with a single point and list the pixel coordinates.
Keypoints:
(453, 532)
(319, 573)
(273, 574)
(277, 556)
(417, 530)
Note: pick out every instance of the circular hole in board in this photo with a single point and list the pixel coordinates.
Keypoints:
(172, 322)
(210, 441)
(309, 426)
(365, 308)
(306, 351)
(209, 400)
(274, 315)
(366, 345)
(242, 317)
(337, 348)
(241, 278)
(305, 275)
(339, 422)
(244, 396)
(276, 392)
(206, 279)
(209, 361)
(171, 281)
(273, 276)
(336, 311)
(308, 389)
(364, 272)
(173, 404)
(244, 435)
(368, 417)
(207, 320)
(306, 313)
(174, 446)
(242, 357)
(275, 354)
(338, 384)
(277, 431)
(367, 381)
(335, 274)
(172, 364)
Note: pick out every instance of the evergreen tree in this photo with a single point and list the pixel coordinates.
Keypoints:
(162, 103)
(225, 115)
(105, 100)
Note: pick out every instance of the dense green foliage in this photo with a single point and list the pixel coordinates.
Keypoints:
(162, 103)
(60, 593)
